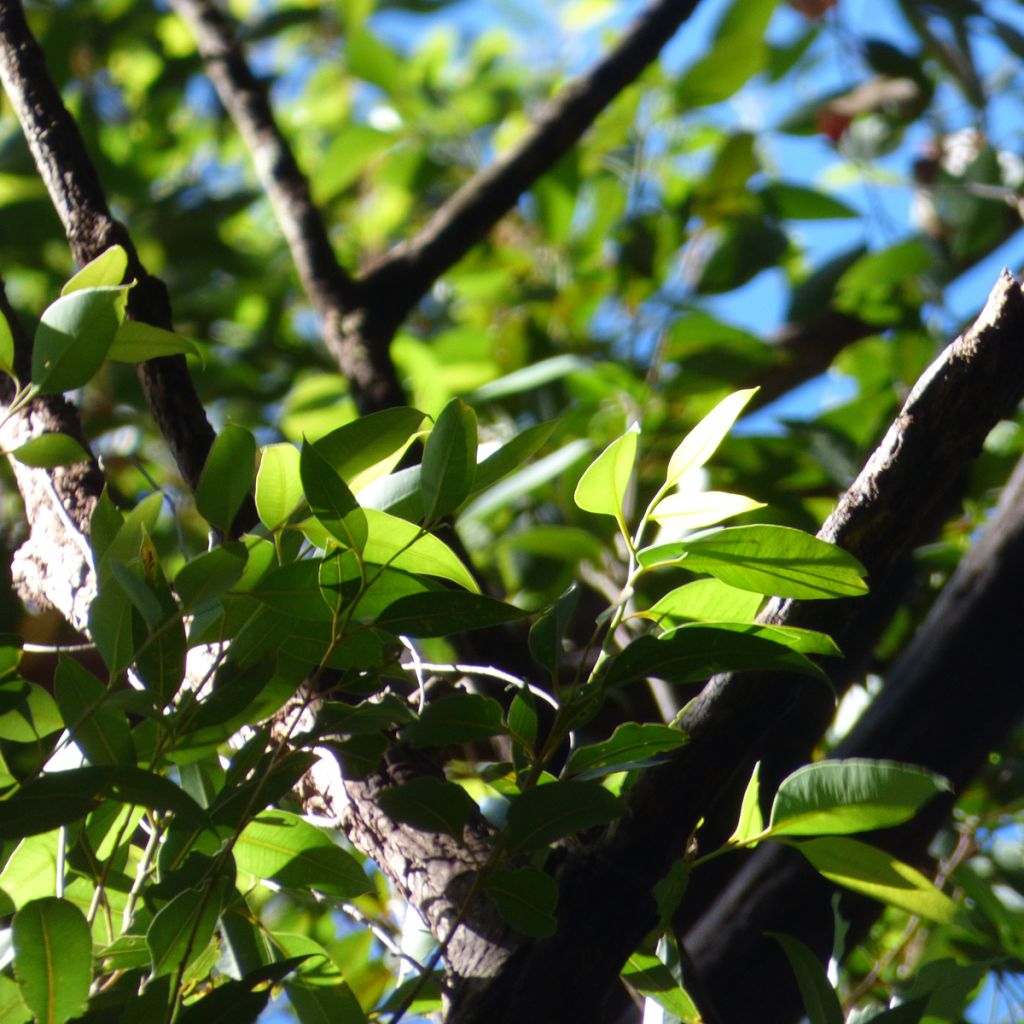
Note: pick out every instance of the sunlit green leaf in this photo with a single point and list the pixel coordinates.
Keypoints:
(602, 488)
(751, 821)
(632, 745)
(449, 460)
(227, 476)
(106, 271)
(278, 484)
(135, 342)
(49, 450)
(331, 500)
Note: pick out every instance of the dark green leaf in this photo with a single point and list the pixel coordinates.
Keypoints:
(99, 728)
(49, 450)
(227, 477)
(449, 461)
(331, 500)
(369, 448)
(182, 929)
(553, 811)
(511, 455)
(547, 632)
(204, 579)
(429, 804)
(444, 613)
(632, 745)
(820, 1000)
(525, 898)
(458, 718)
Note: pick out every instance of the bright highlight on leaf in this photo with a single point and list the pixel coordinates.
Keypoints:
(700, 443)
(106, 271)
(602, 488)
(696, 510)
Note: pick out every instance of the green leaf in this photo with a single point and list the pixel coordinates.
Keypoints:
(751, 821)
(820, 1000)
(529, 378)
(12, 1007)
(854, 795)
(707, 600)
(875, 873)
(526, 898)
(698, 509)
(692, 653)
(796, 202)
(49, 450)
(548, 632)
(27, 712)
(6, 347)
(135, 342)
(31, 870)
(207, 577)
(226, 479)
(805, 641)
(97, 725)
(458, 718)
(278, 484)
(651, 978)
(331, 500)
(632, 745)
(701, 443)
(433, 805)
(73, 337)
(444, 613)
(449, 461)
(767, 560)
(106, 271)
(52, 958)
(181, 930)
(294, 590)
(545, 813)
(511, 455)
(286, 849)
(403, 545)
(602, 488)
(368, 448)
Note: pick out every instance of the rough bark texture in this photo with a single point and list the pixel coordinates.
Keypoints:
(605, 890)
(78, 197)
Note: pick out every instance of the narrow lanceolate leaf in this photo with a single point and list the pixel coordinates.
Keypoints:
(820, 1000)
(433, 805)
(331, 500)
(73, 337)
(751, 821)
(632, 745)
(651, 978)
(875, 873)
(105, 271)
(286, 849)
(444, 613)
(700, 443)
(806, 641)
(547, 633)
(698, 509)
(767, 560)
(541, 815)
(449, 460)
(49, 450)
(52, 958)
(135, 342)
(278, 484)
(226, 479)
(525, 898)
(855, 795)
(6, 347)
(99, 728)
(181, 930)
(602, 488)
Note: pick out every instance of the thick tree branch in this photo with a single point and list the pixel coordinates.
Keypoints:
(606, 889)
(405, 274)
(333, 294)
(936, 710)
(77, 195)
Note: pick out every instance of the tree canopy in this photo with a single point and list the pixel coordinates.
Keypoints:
(511, 514)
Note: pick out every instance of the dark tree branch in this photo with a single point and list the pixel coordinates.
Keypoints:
(333, 294)
(936, 710)
(405, 274)
(606, 888)
(77, 195)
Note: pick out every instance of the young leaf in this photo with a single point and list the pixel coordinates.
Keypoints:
(331, 500)
(854, 795)
(105, 271)
(135, 342)
(97, 725)
(698, 509)
(700, 443)
(73, 337)
(50, 450)
(278, 484)
(458, 718)
(751, 821)
(226, 479)
(429, 804)
(52, 958)
(767, 560)
(632, 745)
(449, 461)
(602, 488)
(545, 813)
(444, 613)
(875, 873)
(820, 1000)
(286, 849)
(525, 898)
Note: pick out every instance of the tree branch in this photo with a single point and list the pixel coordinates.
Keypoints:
(606, 888)
(405, 274)
(369, 370)
(77, 195)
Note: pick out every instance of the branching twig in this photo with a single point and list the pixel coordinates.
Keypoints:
(78, 197)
